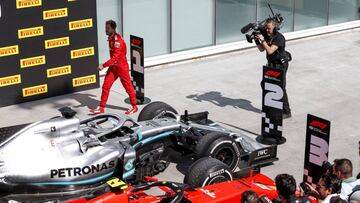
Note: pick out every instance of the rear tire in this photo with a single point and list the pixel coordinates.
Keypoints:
(153, 109)
(207, 171)
(219, 146)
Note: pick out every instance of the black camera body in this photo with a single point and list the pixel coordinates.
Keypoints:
(260, 27)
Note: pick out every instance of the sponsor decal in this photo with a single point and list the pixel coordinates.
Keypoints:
(81, 81)
(58, 42)
(54, 72)
(273, 73)
(10, 80)
(80, 24)
(318, 124)
(9, 50)
(129, 165)
(81, 171)
(27, 3)
(263, 152)
(31, 32)
(33, 61)
(221, 171)
(136, 41)
(79, 53)
(55, 13)
(117, 183)
(35, 90)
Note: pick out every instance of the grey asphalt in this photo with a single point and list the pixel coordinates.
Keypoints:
(323, 79)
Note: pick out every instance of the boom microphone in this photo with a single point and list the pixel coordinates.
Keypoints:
(246, 28)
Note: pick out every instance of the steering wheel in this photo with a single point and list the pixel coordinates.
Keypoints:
(95, 122)
(177, 188)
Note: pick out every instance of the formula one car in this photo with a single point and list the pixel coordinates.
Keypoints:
(67, 157)
(224, 189)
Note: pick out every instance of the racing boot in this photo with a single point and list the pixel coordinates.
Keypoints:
(96, 111)
(132, 110)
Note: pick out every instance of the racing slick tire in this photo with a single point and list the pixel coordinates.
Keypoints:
(219, 146)
(153, 109)
(207, 171)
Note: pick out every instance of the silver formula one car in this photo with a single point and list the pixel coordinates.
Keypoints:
(67, 157)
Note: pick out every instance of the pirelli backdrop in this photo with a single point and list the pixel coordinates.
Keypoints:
(47, 48)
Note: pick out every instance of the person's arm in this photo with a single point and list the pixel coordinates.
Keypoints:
(258, 44)
(269, 49)
(114, 58)
(260, 47)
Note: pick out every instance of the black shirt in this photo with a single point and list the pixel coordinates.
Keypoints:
(279, 40)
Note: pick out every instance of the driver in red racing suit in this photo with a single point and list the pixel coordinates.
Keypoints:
(118, 68)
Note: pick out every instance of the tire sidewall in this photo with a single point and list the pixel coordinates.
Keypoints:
(207, 171)
(222, 143)
(153, 109)
(216, 174)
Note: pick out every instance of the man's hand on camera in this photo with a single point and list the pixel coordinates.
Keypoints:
(260, 37)
(259, 42)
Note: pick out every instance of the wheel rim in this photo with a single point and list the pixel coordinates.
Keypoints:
(226, 155)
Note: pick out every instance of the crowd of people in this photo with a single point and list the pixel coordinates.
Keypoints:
(336, 185)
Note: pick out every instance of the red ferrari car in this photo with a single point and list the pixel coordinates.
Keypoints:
(229, 191)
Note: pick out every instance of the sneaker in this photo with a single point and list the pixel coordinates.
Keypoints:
(96, 111)
(286, 115)
(132, 110)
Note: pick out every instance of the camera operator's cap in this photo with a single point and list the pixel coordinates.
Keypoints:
(355, 195)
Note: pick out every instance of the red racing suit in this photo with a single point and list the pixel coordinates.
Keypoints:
(118, 68)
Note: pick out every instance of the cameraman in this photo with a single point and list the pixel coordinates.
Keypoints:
(275, 54)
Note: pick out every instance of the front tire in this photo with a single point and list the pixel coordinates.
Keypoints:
(219, 146)
(153, 109)
(207, 171)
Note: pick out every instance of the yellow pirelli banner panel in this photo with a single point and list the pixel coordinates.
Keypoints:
(47, 48)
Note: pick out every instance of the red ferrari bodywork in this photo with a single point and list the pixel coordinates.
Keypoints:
(222, 192)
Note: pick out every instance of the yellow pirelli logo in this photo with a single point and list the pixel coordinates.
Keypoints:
(78, 53)
(33, 61)
(10, 80)
(27, 3)
(35, 90)
(55, 13)
(86, 80)
(31, 32)
(58, 42)
(54, 72)
(80, 24)
(10, 50)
